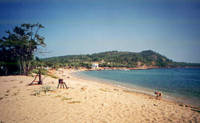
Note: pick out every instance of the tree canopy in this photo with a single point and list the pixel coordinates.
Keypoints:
(17, 48)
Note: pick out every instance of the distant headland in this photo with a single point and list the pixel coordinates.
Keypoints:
(117, 60)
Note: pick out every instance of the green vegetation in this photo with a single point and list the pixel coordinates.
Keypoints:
(18, 47)
(43, 72)
(115, 59)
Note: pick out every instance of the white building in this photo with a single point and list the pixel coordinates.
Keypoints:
(95, 65)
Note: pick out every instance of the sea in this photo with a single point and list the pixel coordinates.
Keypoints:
(178, 84)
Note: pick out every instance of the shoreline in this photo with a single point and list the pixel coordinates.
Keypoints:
(133, 68)
(135, 88)
(84, 101)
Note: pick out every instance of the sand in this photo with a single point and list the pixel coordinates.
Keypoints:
(85, 101)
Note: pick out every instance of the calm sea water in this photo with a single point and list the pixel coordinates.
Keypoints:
(181, 84)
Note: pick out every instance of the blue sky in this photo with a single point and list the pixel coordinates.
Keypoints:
(170, 27)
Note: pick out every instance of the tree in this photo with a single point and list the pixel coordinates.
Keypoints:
(20, 45)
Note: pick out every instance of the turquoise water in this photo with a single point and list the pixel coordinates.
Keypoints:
(182, 84)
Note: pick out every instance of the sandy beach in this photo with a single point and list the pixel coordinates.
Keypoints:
(85, 101)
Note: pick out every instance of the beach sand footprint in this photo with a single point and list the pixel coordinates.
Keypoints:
(7, 91)
(116, 89)
(83, 88)
(1, 98)
(6, 95)
(16, 93)
(74, 102)
(66, 98)
(21, 82)
(105, 89)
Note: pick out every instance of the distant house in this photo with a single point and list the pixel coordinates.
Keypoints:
(95, 65)
(47, 68)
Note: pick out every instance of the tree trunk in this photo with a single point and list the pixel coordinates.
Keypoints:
(22, 66)
(28, 66)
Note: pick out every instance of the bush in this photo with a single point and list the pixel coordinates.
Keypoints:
(36, 71)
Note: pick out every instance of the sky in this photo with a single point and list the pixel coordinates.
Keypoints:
(169, 27)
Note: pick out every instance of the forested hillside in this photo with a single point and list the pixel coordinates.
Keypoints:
(115, 59)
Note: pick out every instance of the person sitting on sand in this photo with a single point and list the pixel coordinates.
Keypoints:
(158, 94)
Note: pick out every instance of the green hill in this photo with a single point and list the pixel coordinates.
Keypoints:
(116, 59)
